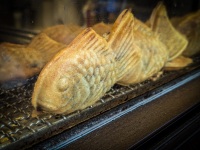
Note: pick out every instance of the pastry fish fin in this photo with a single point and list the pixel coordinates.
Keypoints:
(88, 40)
(160, 24)
(178, 63)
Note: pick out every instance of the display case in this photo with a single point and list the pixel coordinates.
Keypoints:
(156, 113)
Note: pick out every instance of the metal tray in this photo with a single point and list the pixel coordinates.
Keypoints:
(19, 130)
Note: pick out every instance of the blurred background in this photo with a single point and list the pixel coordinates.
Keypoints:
(38, 14)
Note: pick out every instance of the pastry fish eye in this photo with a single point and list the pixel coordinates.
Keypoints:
(63, 84)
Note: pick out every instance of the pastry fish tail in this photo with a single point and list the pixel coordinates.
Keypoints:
(122, 42)
(159, 22)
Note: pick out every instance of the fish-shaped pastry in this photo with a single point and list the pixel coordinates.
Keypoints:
(18, 62)
(173, 39)
(63, 33)
(46, 46)
(153, 54)
(79, 75)
(189, 25)
(24, 61)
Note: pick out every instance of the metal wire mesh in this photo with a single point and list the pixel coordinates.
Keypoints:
(18, 127)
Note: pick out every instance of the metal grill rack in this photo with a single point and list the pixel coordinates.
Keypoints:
(18, 36)
(18, 129)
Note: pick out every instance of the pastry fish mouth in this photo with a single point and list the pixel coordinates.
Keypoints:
(46, 106)
(50, 108)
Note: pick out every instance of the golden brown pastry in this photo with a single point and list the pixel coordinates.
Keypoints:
(189, 25)
(46, 46)
(121, 40)
(18, 61)
(178, 63)
(153, 54)
(82, 73)
(63, 33)
(24, 61)
(77, 76)
(160, 24)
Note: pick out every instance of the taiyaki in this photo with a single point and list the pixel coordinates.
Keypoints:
(153, 54)
(19, 62)
(85, 70)
(173, 39)
(46, 46)
(24, 61)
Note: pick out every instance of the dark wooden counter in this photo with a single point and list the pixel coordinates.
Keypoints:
(127, 130)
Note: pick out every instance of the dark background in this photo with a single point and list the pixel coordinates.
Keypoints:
(28, 13)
